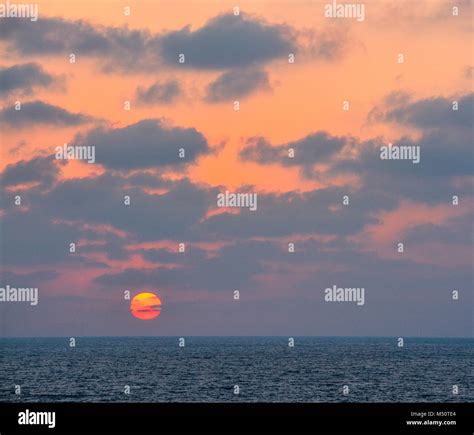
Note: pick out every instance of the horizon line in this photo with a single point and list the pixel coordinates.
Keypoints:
(241, 336)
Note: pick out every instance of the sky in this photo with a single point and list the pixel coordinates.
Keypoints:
(141, 81)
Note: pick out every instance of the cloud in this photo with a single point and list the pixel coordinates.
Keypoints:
(225, 42)
(237, 84)
(258, 268)
(117, 49)
(57, 36)
(228, 41)
(23, 77)
(37, 170)
(113, 247)
(40, 231)
(456, 230)
(146, 144)
(199, 271)
(31, 238)
(286, 214)
(166, 256)
(445, 153)
(41, 113)
(445, 145)
(314, 148)
(434, 112)
(159, 93)
(174, 213)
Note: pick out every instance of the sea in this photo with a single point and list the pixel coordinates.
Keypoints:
(236, 369)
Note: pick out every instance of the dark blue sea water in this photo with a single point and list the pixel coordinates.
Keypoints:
(264, 368)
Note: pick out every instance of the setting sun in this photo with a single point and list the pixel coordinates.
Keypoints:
(146, 306)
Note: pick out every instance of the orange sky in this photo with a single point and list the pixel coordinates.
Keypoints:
(305, 97)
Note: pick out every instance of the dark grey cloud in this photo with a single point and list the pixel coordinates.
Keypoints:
(35, 234)
(168, 257)
(445, 153)
(230, 269)
(314, 212)
(435, 112)
(53, 36)
(23, 78)
(147, 144)
(34, 113)
(112, 246)
(314, 148)
(140, 179)
(445, 148)
(228, 41)
(116, 49)
(37, 170)
(39, 232)
(457, 230)
(159, 93)
(78, 206)
(179, 212)
(237, 84)
(225, 42)
(56, 36)
(31, 238)
(174, 213)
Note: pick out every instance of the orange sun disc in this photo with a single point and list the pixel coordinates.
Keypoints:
(145, 306)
